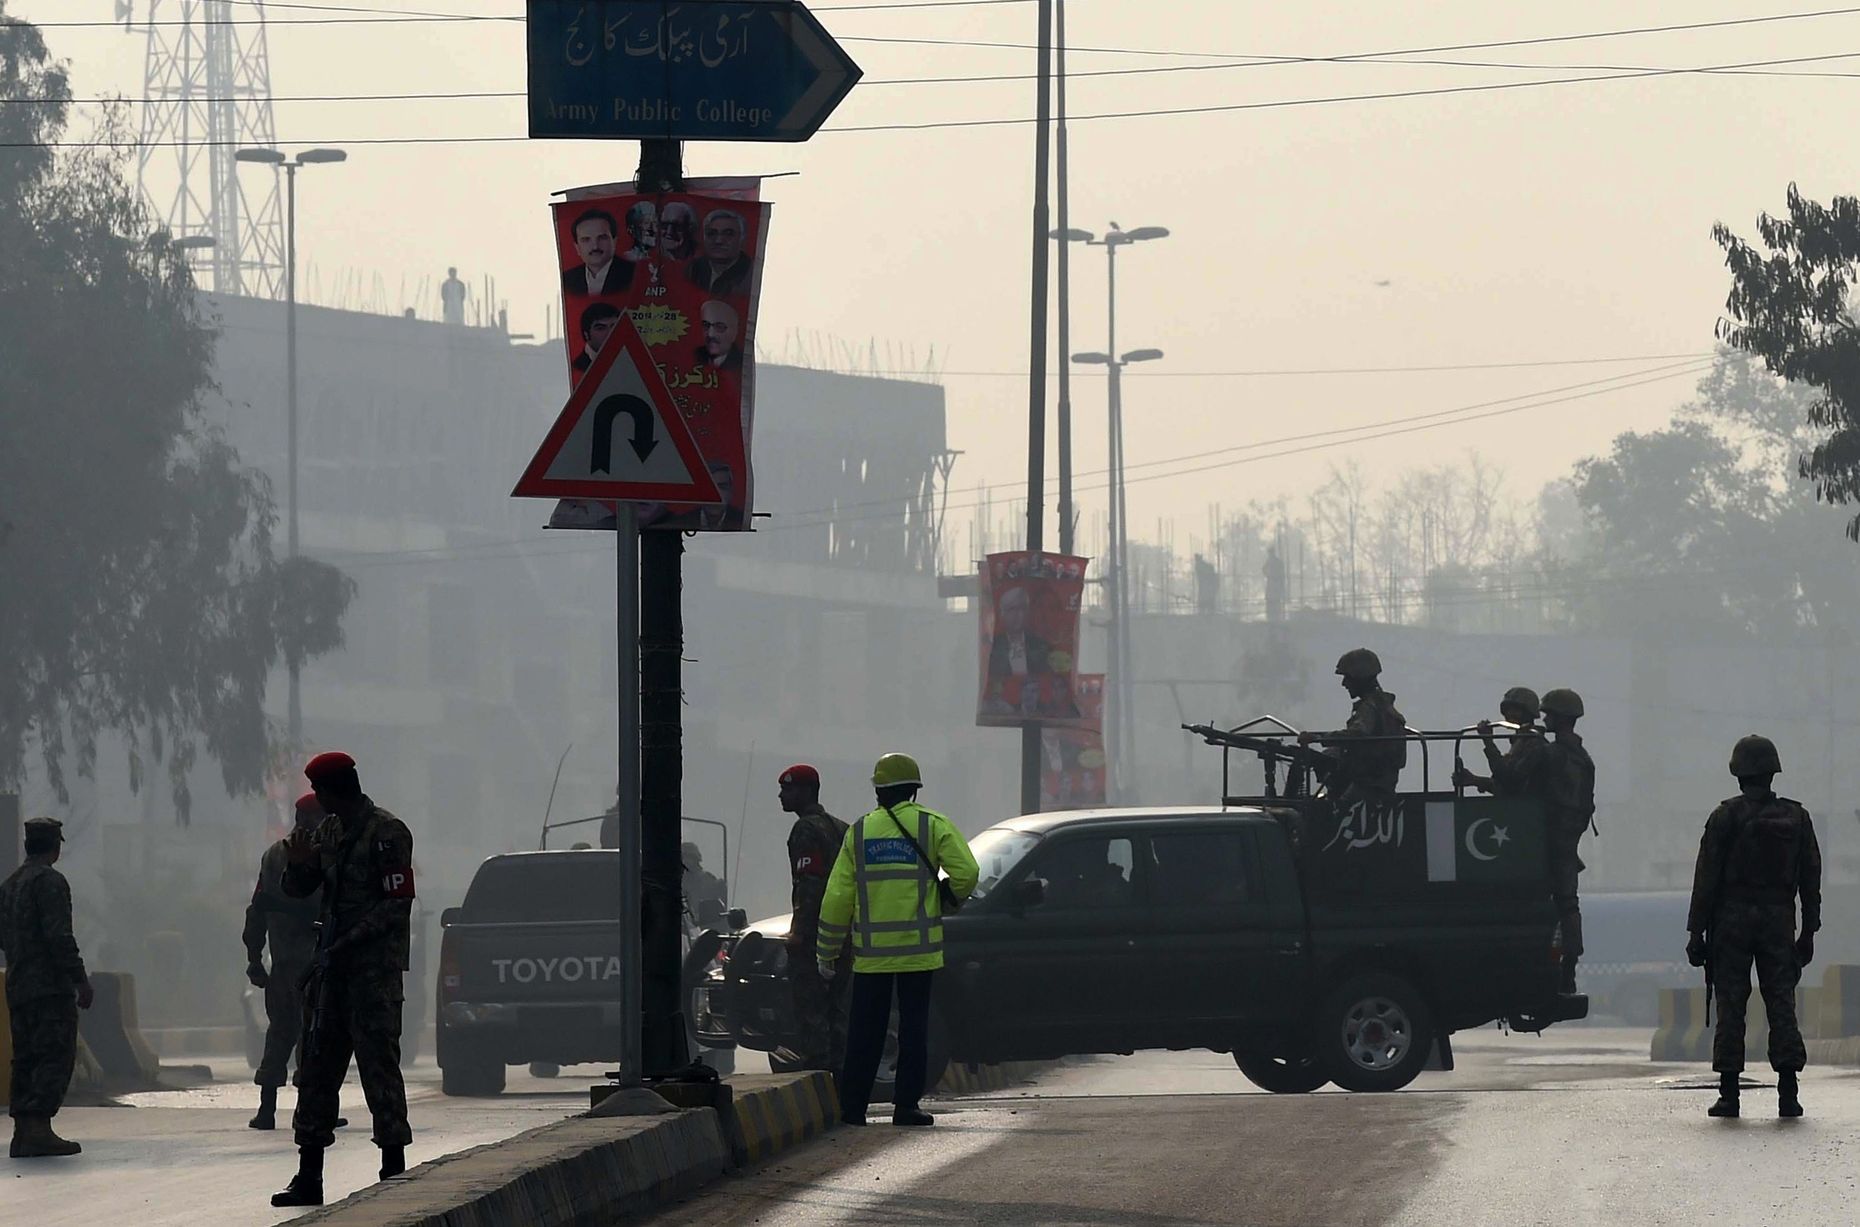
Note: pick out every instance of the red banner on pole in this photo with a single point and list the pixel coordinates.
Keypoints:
(687, 268)
(1074, 766)
(1029, 638)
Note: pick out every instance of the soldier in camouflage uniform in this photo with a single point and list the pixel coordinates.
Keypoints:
(1366, 770)
(1568, 775)
(1517, 771)
(813, 845)
(361, 857)
(46, 986)
(289, 926)
(1757, 855)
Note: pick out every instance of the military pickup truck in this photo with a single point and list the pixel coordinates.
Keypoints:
(1315, 946)
(529, 969)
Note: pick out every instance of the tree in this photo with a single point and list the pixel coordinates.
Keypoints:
(1790, 306)
(139, 594)
(1700, 526)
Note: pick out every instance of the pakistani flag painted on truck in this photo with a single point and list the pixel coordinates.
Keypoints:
(1414, 843)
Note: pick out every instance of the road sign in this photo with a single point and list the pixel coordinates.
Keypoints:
(701, 70)
(620, 438)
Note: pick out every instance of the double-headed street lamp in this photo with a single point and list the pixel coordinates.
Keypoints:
(275, 157)
(1121, 725)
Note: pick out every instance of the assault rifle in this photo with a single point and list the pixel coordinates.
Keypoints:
(317, 987)
(1301, 762)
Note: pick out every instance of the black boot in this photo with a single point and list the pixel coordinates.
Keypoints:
(1727, 1096)
(912, 1115)
(267, 1117)
(393, 1161)
(1788, 1098)
(306, 1187)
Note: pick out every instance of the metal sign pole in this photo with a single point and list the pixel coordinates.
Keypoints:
(626, 607)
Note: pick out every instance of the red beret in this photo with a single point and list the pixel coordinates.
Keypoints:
(327, 764)
(801, 773)
(308, 804)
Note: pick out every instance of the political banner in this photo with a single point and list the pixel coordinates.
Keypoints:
(686, 267)
(1029, 636)
(1073, 763)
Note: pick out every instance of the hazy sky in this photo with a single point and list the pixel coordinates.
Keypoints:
(1529, 225)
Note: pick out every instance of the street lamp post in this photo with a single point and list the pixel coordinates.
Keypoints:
(274, 158)
(1121, 727)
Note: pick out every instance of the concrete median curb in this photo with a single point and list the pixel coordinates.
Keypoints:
(969, 1079)
(1683, 1036)
(773, 1114)
(576, 1173)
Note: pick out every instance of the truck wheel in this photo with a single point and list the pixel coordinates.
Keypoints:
(1297, 1075)
(474, 1077)
(1374, 1033)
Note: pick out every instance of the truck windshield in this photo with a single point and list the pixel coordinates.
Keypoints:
(545, 887)
(997, 850)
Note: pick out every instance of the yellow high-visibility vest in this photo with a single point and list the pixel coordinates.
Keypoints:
(883, 894)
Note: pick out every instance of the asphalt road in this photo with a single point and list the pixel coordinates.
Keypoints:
(1570, 1128)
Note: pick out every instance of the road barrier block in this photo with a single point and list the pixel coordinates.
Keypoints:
(1840, 1002)
(114, 1033)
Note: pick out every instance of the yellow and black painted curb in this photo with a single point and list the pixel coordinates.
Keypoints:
(764, 1120)
(1682, 1034)
(972, 1079)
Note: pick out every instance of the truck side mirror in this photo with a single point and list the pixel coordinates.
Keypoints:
(449, 917)
(737, 918)
(1029, 892)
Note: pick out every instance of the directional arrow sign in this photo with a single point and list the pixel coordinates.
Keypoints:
(621, 438)
(701, 70)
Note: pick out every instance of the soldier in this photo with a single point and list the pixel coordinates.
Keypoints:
(1366, 770)
(1569, 813)
(813, 845)
(701, 885)
(362, 858)
(1758, 853)
(46, 986)
(288, 925)
(1517, 771)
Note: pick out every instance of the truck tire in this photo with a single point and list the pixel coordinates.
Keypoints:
(1374, 1033)
(471, 1076)
(1281, 1075)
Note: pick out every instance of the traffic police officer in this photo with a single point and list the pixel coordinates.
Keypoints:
(813, 846)
(1367, 770)
(1757, 855)
(288, 926)
(46, 986)
(887, 892)
(361, 857)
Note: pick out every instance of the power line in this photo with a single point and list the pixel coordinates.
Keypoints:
(821, 517)
(1272, 104)
(356, 15)
(1262, 372)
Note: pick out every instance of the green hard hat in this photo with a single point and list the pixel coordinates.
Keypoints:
(1562, 702)
(1754, 755)
(1522, 696)
(1359, 662)
(894, 769)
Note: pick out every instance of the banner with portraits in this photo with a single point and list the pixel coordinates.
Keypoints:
(1030, 638)
(1073, 763)
(687, 268)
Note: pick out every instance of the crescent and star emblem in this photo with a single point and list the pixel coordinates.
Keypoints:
(1500, 837)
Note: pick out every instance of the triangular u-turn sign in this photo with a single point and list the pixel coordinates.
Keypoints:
(620, 438)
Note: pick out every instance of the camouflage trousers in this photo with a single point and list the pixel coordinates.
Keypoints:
(820, 1007)
(284, 1023)
(1764, 934)
(1565, 865)
(45, 1039)
(361, 1018)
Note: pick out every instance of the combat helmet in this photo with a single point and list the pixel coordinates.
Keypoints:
(1754, 755)
(1522, 696)
(1359, 663)
(1563, 702)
